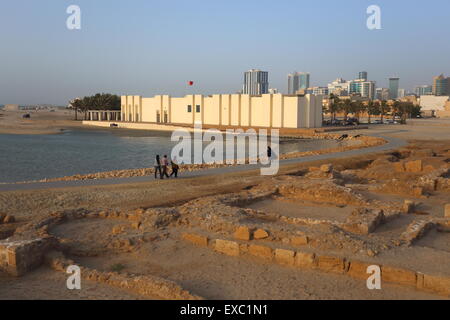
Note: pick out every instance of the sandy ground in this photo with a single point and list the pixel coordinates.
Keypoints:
(416, 129)
(216, 276)
(45, 283)
(41, 122)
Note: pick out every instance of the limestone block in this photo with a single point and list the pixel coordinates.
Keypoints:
(260, 234)
(437, 284)
(299, 240)
(286, 257)
(261, 251)
(230, 248)
(398, 275)
(20, 257)
(331, 264)
(196, 239)
(358, 269)
(305, 259)
(242, 233)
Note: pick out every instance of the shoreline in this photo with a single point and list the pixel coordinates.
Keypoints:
(363, 142)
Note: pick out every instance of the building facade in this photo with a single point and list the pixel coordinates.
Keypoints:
(382, 94)
(339, 87)
(11, 107)
(363, 87)
(256, 82)
(243, 110)
(401, 93)
(423, 90)
(393, 87)
(298, 81)
(433, 103)
(360, 86)
(441, 85)
(318, 91)
(444, 113)
(363, 75)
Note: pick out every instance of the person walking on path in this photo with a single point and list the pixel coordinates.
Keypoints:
(165, 164)
(158, 167)
(175, 168)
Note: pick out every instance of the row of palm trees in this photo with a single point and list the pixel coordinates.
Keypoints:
(382, 108)
(99, 101)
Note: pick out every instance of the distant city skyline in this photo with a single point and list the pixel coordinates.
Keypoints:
(161, 46)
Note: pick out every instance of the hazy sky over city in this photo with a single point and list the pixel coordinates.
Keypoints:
(148, 47)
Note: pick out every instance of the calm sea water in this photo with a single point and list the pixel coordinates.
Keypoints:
(35, 157)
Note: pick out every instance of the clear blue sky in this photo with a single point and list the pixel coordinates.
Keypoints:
(150, 47)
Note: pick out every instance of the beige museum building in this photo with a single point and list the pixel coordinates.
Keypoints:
(267, 110)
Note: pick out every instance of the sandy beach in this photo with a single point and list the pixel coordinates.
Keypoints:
(40, 122)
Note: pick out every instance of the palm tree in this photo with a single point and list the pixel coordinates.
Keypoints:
(105, 101)
(396, 108)
(86, 105)
(76, 104)
(405, 110)
(334, 106)
(346, 106)
(99, 101)
(355, 108)
(371, 108)
(384, 108)
(376, 109)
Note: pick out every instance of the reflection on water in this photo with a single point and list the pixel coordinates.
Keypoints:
(35, 157)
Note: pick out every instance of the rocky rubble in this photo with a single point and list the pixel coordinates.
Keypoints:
(322, 191)
(364, 221)
(147, 286)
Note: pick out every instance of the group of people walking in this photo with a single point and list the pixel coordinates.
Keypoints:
(162, 165)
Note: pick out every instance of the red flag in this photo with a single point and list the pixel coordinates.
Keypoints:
(191, 83)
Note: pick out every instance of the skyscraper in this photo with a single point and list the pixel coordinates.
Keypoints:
(423, 90)
(441, 86)
(304, 80)
(393, 87)
(365, 88)
(256, 82)
(297, 81)
(382, 94)
(363, 75)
